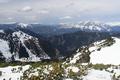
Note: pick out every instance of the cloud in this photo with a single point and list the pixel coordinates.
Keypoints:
(70, 4)
(66, 17)
(43, 11)
(26, 9)
(10, 18)
(57, 10)
(4, 1)
(113, 23)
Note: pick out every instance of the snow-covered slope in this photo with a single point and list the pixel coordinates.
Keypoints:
(111, 73)
(107, 55)
(97, 75)
(101, 52)
(4, 48)
(13, 73)
(22, 38)
(20, 46)
(75, 58)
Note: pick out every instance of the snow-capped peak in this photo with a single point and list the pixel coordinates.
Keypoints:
(22, 25)
(88, 25)
(1, 31)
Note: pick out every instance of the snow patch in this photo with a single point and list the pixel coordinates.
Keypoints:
(4, 49)
(73, 68)
(97, 75)
(13, 73)
(75, 58)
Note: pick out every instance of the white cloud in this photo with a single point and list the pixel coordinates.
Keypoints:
(26, 9)
(10, 18)
(113, 23)
(43, 11)
(66, 17)
(68, 10)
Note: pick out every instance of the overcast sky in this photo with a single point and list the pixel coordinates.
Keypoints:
(59, 11)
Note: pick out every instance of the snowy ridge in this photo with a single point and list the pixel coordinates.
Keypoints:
(22, 25)
(89, 26)
(107, 55)
(24, 37)
(75, 58)
(5, 50)
(19, 46)
(82, 25)
(101, 53)
(1, 31)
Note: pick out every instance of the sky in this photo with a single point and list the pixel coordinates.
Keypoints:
(59, 11)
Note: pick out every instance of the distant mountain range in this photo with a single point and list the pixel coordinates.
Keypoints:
(51, 30)
(83, 26)
(36, 42)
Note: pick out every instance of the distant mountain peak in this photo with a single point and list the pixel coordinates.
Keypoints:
(23, 25)
(88, 26)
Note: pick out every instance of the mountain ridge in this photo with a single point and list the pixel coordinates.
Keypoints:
(59, 43)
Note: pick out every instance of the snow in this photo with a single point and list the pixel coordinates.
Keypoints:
(97, 75)
(34, 74)
(7, 72)
(107, 55)
(32, 57)
(115, 70)
(73, 68)
(1, 31)
(22, 25)
(104, 74)
(96, 45)
(88, 25)
(48, 69)
(4, 49)
(75, 58)
(23, 36)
